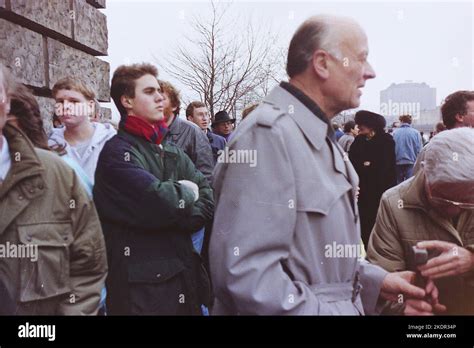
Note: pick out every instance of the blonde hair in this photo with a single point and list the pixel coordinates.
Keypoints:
(74, 84)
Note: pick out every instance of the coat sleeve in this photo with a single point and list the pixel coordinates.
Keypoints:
(253, 231)
(385, 250)
(371, 278)
(202, 210)
(126, 192)
(204, 158)
(419, 143)
(88, 261)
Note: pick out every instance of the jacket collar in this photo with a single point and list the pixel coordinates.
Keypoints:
(314, 129)
(313, 126)
(175, 126)
(26, 175)
(413, 192)
(102, 132)
(25, 161)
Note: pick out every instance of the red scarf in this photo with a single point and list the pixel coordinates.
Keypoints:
(154, 133)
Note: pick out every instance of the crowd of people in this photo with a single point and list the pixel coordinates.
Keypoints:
(147, 218)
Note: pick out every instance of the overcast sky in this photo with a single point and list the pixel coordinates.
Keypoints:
(426, 41)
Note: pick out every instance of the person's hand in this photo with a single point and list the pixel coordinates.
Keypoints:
(424, 307)
(453, 260)
(400, 283)
(192, 186)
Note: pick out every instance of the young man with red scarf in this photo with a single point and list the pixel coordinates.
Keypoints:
(150, 199)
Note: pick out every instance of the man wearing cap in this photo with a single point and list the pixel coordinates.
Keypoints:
(435, 211)
(223, 124)
(278, 224)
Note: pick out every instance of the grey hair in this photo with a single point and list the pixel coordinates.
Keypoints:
(317, 32)
(449, 157)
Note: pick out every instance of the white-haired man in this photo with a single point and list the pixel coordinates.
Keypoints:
(276, 223)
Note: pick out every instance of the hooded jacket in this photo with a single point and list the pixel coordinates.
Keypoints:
(102, 133)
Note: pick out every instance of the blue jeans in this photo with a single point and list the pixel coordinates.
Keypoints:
(102, 307)
(198, 240)
(404, 172)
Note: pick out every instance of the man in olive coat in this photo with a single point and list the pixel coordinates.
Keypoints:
(434, 210)
(52, 252)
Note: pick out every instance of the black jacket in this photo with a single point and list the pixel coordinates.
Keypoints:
(374, 162)
(147, 217)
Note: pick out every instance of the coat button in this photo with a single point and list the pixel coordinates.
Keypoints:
(158, 275)
(65, 237)
(20, 197)
(40, 186)
(32, 190)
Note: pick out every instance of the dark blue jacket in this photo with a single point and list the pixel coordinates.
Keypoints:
(147, 217)
(217, 143)
(408, 144)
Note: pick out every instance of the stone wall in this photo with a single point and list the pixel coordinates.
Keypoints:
(45, 40)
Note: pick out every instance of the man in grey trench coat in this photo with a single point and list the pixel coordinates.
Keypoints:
(286, 231)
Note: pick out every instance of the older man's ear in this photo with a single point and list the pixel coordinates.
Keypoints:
(320, 64)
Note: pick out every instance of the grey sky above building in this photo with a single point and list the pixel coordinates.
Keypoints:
(426, 41)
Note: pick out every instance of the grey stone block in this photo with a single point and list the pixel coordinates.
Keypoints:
(22, 52)
(47, 109)
(105, 114)
(52, 14)
(64, 61)
(90, 26)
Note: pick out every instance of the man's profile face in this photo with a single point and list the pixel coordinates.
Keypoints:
(148, 101)
(348, 76)
(200, 117)
(468, 118)
(4, 102)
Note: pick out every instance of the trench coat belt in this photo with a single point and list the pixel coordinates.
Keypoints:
(338, 291)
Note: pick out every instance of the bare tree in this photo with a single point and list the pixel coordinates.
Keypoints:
(227, 63)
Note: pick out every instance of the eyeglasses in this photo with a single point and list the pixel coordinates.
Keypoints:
(445, 201)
